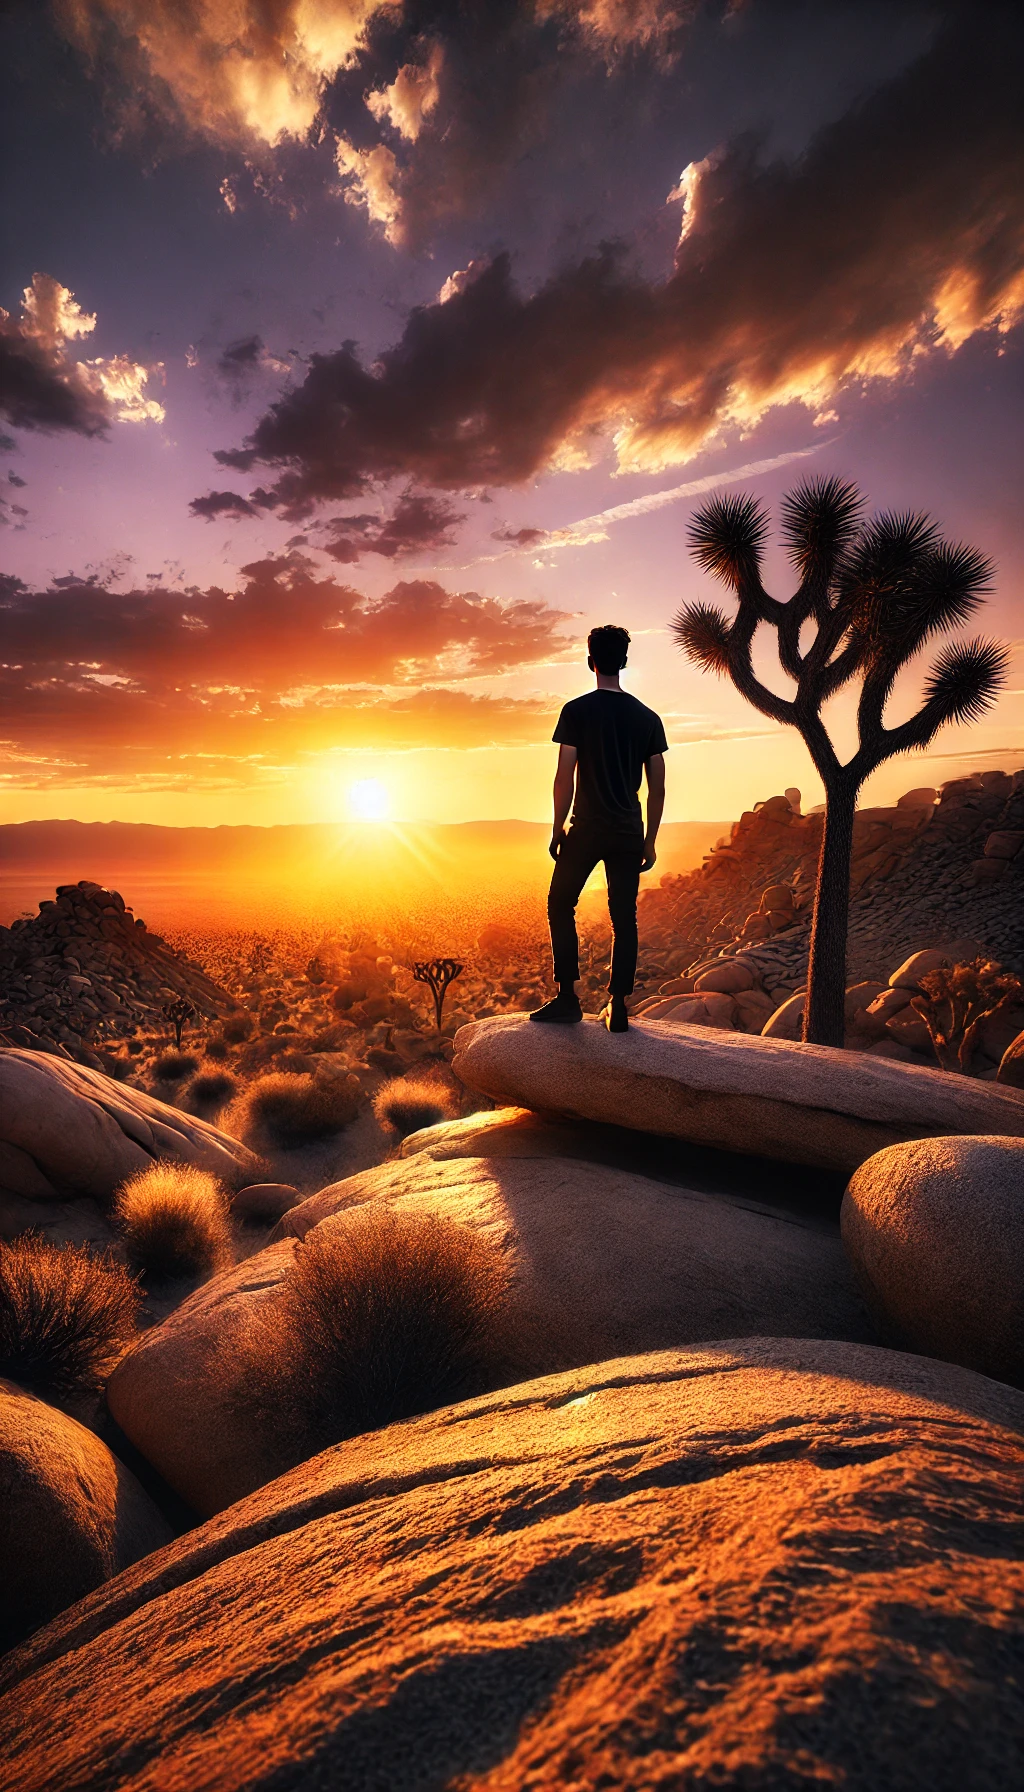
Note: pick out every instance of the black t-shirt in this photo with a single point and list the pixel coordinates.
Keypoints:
(614, 736)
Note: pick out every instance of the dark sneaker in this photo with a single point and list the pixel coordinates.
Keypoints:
(563, 1009)
(615, 1017)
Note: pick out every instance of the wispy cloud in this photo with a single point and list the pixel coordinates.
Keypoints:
(589, 529)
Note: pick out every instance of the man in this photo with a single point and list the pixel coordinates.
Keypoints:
(606, 741)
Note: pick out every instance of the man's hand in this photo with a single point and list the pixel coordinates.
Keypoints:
(556, 842)
(650, 858)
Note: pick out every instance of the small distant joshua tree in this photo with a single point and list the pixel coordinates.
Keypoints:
(259, 954)
(179, 1013)
(871, 595)
(438, 973)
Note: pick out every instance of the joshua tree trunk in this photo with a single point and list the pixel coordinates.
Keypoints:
(826, 976)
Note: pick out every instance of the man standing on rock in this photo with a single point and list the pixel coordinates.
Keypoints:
(606, 741)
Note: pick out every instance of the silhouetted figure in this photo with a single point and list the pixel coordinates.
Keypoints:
(606, 741)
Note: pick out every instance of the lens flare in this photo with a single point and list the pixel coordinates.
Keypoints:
(368, 800)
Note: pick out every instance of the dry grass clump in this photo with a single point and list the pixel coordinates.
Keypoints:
(383, 1315)
(173, 1220)
(210, 1090)
(171, 1067)
(218, 1049)
(67, 1315)
(288, 1109)
(406, 1105)
(237, 1028)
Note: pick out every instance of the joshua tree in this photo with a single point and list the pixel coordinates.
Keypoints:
(870, 595)
(179, 1012)
(437, 973)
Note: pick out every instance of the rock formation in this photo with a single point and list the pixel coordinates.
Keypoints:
(925, 872)
(84, 966)
(71, 1515)
(68, 1130)
(803, 1104)
(737, 1564)
(935, 1231)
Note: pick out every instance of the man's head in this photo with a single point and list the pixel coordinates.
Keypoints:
(607, 649)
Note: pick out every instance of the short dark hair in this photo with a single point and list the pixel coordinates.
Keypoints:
(608, 647)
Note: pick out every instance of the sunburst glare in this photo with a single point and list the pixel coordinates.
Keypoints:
(368, 800)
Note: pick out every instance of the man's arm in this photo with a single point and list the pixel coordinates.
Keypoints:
(565, 782)
(655, 769)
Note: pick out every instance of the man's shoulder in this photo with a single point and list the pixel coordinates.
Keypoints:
(642, 711)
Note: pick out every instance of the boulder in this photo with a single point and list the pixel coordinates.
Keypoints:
(910, 1029)
(1005, 844)
(910, 972)
(83, 1133)
(935, 1231)
(1011, 1065)
(777, 897)
(728, 978)
(802, 1103)
(72, 1514)
(889, 1003)
(604, 1261)
(787, 1020)
(261, 1203)
(922, 798)
(175, 1395)
(761, 1563)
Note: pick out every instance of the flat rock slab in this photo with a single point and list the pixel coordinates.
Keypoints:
(66, 1130)
(805, 1104)
(758, 1563)
(71, 1515)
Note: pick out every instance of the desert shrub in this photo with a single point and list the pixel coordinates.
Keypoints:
(405, 1105)
(171, 1067)
(173, 1221)
(210, 1089)
(218, 1049)
(955, 1002)
(237, 1028)
(66, 1316)
(135, 1046)
(383, 1315)
(286, 1108)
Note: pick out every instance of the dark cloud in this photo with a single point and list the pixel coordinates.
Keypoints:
(893, 235)
(216, 504)
(97, 685)
(419, 524)
(520, 538)
(240, 357)
(42, 387)
(284, 627)
(13, 479)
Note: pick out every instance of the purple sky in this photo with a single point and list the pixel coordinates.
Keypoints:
(522, 314)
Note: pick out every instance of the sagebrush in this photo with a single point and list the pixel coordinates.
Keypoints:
(405, 1105)
(289, 1108)
(209, 1090)
(383, 1315)
(67, 1315)
(172, 1067)
(173, 1220)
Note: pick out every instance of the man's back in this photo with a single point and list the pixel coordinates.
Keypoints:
(614, 736)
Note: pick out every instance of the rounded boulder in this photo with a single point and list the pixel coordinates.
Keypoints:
(726, 979)
(762, 1563)
(72, 1515)
(935, 1232)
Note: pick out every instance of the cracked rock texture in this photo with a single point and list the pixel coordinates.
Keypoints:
(740, 1565)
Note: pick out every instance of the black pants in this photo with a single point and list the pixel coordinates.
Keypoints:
(578, 855)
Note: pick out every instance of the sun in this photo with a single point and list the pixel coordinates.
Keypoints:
(368, 800)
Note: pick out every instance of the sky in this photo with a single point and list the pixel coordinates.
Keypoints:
(359, 357)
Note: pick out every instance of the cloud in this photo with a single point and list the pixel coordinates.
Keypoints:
(892, 237)
(589, 529)
(418, 524)
(455, 95)
(115, 682)
(252, 71)
(217, 504)
(41, 387)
